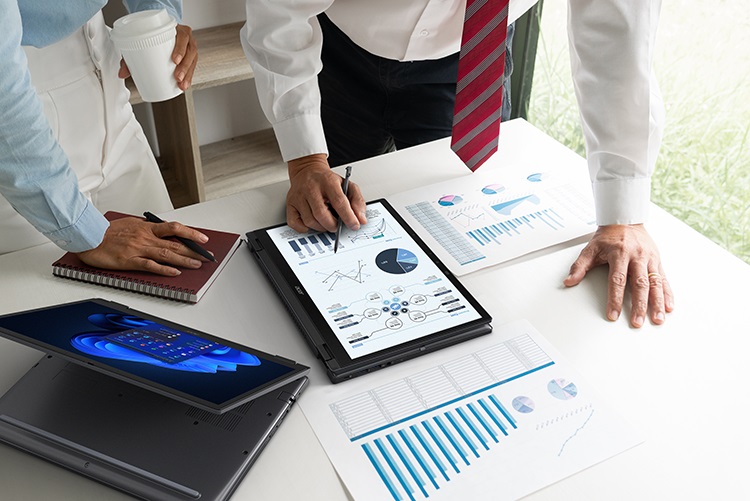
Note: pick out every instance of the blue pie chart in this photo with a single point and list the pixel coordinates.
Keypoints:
(523, 404)
(562, 389)
(396, 261)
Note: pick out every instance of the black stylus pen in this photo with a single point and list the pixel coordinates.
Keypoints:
(153, 218)
(340, 223)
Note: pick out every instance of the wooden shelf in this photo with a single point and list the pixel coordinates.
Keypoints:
(192, 173)
(233, 165)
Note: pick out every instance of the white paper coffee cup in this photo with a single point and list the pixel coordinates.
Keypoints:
(146, 40)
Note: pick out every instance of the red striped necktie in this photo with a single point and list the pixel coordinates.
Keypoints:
(479, 88)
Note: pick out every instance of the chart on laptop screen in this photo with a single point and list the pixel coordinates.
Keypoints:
(379, 290)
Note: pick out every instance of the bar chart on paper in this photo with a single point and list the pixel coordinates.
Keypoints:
(476, 221)
(428, 442)
(445, 430)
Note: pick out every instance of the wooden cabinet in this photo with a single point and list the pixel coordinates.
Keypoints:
(194, 173)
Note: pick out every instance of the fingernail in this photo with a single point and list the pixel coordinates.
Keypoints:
(180, 76)
(659, 316)
(613, 315)
(638, 321)
(177, 272)
(203, 238)
(177, 59)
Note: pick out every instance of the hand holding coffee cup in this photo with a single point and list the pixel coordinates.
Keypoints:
(160, 54)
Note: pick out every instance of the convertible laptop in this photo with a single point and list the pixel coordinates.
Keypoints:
(384, 297)
(193, 367)
(147, 406)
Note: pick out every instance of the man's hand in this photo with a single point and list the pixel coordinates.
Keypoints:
(133, 244)
(633, 259)
(184, 55)
(315, 190)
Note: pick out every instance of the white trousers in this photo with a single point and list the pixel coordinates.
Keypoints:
(87, 106)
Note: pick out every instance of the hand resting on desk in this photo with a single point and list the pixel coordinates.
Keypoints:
(633, 260)
(134, 244)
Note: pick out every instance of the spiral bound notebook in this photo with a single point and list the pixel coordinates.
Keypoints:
(188, 287)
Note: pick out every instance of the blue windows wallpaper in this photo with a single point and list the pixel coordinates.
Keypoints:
(151, 351)
(148, 342)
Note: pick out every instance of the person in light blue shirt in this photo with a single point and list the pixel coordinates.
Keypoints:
(69, 144)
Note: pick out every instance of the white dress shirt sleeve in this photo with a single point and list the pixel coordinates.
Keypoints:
(611, 46)
(282, 40)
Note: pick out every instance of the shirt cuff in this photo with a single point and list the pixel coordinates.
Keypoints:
(622, 201)
(300, 136)
(85, 234)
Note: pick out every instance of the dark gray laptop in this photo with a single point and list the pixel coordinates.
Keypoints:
(136, 440)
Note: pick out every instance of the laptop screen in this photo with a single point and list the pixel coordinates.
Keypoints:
(380, 289)
(196, 367)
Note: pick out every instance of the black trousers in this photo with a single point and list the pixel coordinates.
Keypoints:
(371, 105)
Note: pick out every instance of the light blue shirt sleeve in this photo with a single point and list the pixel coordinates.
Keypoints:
(35, 176)
(48, 21)
(174, 7)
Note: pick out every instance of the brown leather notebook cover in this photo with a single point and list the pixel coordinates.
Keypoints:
(189, 286)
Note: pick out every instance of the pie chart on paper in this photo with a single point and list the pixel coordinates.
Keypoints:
(562, 389)
(450, 200)
(396, 261)
(523, 404)
(493, 189)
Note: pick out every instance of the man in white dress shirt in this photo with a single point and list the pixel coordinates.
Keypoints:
(611, 44)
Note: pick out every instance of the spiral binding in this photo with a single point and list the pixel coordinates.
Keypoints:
(112, 280)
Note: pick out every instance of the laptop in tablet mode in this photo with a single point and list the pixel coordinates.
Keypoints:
(381, 298)
(136, 440)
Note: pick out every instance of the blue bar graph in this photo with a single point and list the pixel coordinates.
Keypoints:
(381, 471)
(462, 433)
(425, 467)
(406, 462)
(421, 457)
(496, 233)
(394, 468)
(313, 244)
(442, 446)
(325, 240)
(422, 432)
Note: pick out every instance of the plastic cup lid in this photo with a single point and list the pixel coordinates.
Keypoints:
(142, 24)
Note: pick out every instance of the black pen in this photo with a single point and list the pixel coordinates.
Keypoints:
(152, 218)
(346, 189)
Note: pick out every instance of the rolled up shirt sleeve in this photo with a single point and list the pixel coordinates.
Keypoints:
(622, 114)
(35, 176)
(282, 40)
(174, 7)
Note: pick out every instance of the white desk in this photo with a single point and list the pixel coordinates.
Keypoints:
(683, 384)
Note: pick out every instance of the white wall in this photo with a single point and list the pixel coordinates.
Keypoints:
(221, 112)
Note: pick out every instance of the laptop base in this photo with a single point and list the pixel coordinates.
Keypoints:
(135, 440)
